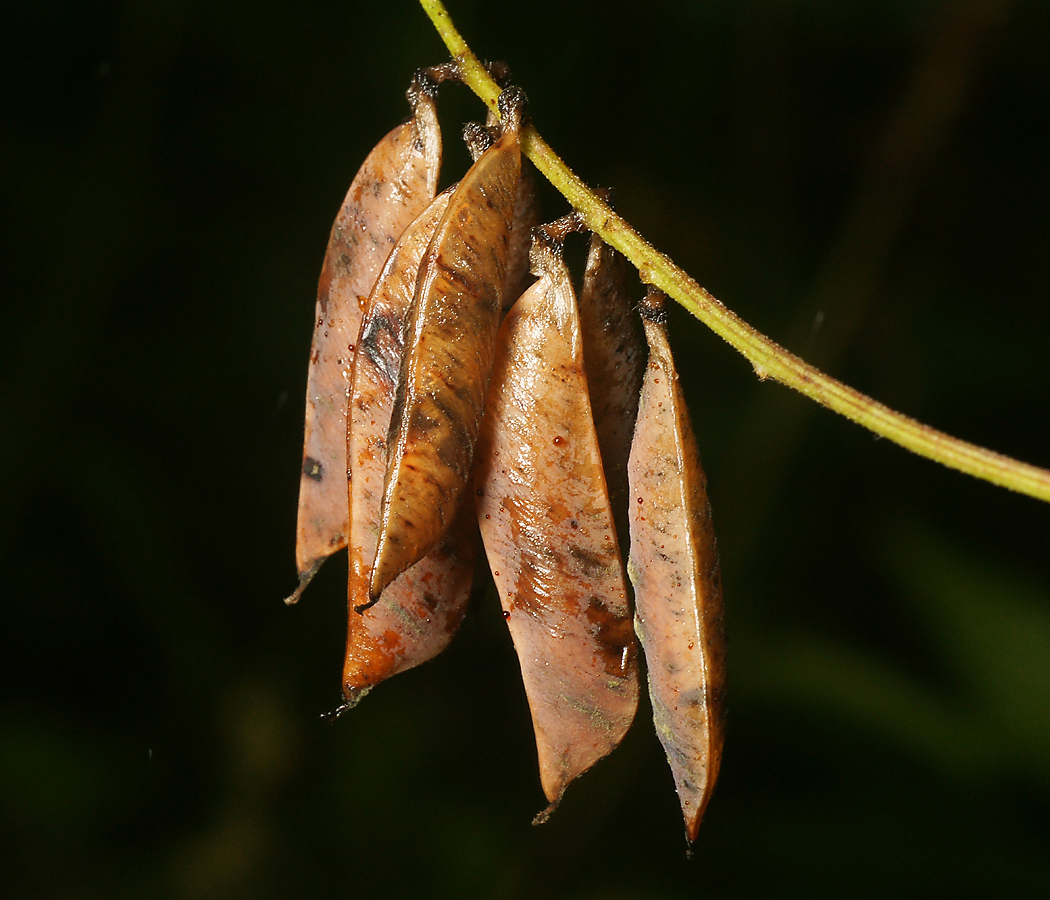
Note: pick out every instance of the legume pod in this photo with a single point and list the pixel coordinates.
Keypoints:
(677, 587)
(614, 354)
(421, 609)
(449, 348)
(548, 531)
(395, 183)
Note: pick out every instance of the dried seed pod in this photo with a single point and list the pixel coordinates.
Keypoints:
(526, 217)
(526, 212)
(677, 587)
(449, 348)
(615, 359)
(396, 183)
(422, 608)
(548, 531)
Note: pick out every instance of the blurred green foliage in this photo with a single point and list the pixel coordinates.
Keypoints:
(869, 183)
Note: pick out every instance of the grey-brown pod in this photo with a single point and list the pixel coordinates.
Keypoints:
(395, 184)
(449, 348)
(679, 614)
(548, 531)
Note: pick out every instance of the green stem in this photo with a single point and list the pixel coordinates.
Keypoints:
(768, 358)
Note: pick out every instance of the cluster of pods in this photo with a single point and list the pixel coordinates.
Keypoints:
(451, 393)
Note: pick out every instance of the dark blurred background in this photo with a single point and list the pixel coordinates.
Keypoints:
(866, 182)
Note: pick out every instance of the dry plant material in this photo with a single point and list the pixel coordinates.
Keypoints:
(614, 353)
(422, 608)
(406, 344)
(679, 614)
(548, 531)
(449, 348)
(526, 217)
(395, 184)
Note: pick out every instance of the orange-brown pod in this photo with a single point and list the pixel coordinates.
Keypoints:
(614, 354)
(420, 610)
(526, 212)
(548, 532)
(449, 347)
(677, 588)
(397, 181)
(526, 217)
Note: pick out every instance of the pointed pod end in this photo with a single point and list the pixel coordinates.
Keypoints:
(351, 697)
(305, 577)
(381, 577)
(364, 607)
(543, 816)
(691, 818)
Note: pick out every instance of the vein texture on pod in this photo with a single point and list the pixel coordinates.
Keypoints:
(395, 183)
(614, 354)
(678, 590)
(419, 611)
(449, 348)
(548, 532)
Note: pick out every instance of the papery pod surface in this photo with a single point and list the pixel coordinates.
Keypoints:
(548, 532)
(614, 354)
(395, 184)
(420, 610)
(449, 348)
(677, 586)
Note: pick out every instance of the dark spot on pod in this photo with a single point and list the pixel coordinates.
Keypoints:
(590, 562)
(614, 637)
(313, 469)
(381, 344)
(656, 316)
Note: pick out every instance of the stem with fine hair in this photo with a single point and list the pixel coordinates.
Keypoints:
(768, 358)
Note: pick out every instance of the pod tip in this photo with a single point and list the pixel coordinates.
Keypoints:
(351, 697)
(544, 815)
(305, 577)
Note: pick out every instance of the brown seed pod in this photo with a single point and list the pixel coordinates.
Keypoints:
(526, 211)
(422, 608)
(677, 587)
(614, 354)
(396, 183)
(526, 217)
(449, 348)
(548, 531)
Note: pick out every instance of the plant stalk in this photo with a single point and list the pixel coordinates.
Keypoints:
(768, 358)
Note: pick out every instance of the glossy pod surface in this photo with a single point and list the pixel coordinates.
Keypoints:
(677, 587)
(419, 611)
(614, 353)
(548, 532)
(395, 184)
(526, 217)
(449, 348)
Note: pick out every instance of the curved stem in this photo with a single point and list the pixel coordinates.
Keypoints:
(768, 358)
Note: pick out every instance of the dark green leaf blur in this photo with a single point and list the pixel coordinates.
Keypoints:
(866, 182)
